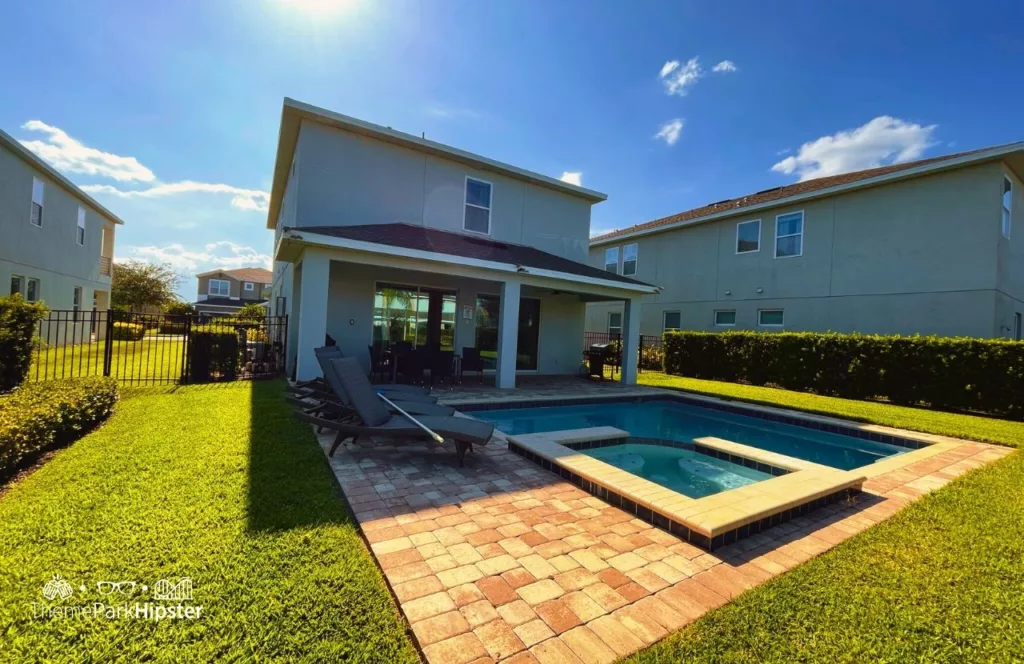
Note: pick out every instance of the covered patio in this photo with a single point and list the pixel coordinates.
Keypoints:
(521, 310)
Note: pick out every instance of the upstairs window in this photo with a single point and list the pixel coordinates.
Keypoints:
(611, 260)
(80, 233)
(32, 293)
(615, 325)
(748, 237)
(477, 215)
(219, 288)
(629, 253)
(672, 321)
(17, 285)
(36, 215)
(1007, 206)
(249, 286)
(789, 235)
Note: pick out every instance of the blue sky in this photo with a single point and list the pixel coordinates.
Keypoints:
(181, 101)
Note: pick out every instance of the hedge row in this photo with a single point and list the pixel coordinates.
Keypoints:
(213, 353)
(976, 375)
(39, 416)
(128, 331)
(18, 320)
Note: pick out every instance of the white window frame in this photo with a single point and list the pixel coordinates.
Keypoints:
(635, 259)
(37, 183)
(618, 327)
(466, 203)
(1006, 222)
(664, 320)
(39, 289)
(209, 288)
(76, 301)
(250, 286)
(80, 230)
(724, 311)
(749, 251)
(800, 234)
(615, 250)
(761, 312)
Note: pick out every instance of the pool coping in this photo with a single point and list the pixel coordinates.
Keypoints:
(708, 522)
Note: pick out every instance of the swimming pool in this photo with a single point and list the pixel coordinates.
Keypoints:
(690, 473)
(672, 420)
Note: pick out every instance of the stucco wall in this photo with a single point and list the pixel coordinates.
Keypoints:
(917, 256)
(237, 291)
(348, 179)
(50, 253)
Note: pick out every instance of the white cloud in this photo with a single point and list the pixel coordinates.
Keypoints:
(572, 177)
(724, 67)
(453, 113)
(884, 140)
(243, 199)
(67, 154)
(225, 254)
(677, 78)
(670, 131)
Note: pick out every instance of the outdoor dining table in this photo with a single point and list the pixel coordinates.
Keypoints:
(394, 358)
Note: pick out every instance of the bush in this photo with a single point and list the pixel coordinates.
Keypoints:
(975, 375)
(179, 308)
(39, 416)
(128, 331)
(18, 321)
(212, 353)
(252, 312)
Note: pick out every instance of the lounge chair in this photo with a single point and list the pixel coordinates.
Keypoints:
(371, 417)
(333, 353)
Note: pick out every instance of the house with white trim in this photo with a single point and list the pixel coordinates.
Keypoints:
(934, 246)
(382, 236)
(223, 292)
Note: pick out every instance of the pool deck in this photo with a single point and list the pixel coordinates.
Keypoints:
(501, 560)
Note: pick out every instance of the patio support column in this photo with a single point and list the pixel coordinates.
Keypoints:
(630, 340)
(313, 287)
(508, 335)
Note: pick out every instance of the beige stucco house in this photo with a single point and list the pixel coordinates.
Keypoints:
(929, 247)
(56, 241)
(224, 292)
(382, 236)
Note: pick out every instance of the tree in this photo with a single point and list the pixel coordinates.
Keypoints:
(137, 284)
(179, 308)
(252, 312)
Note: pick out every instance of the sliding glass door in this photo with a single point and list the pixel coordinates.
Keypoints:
(487, 312)
(418, 316)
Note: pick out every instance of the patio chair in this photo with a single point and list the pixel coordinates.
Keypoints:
(371, 417)
(471, 361)
(332, 385)
(442, 366)
(325, 353)
(379, 365)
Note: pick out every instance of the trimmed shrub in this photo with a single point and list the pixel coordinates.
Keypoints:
(18, 321)
(212, 353)
(39, 416)
(128, 331)
(960, 374)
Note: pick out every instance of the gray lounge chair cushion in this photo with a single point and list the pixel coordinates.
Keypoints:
(331, 377)
(458, 428)
(356, 385)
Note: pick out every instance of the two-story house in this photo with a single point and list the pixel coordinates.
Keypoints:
(932, 247)
(224, 292)
(385, 236)
(56, 241)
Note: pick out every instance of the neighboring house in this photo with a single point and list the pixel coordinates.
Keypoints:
(56, 242)
(224, 292)
(932, 247)
(385, 236)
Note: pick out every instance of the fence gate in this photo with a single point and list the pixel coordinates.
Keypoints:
(142, 349)
(650, 355)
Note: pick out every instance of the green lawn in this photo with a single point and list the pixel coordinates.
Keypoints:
(217, 483)
(971, 427)
(943, 581)
(150, 357)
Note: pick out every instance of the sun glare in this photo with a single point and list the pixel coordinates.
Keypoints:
(320, 8)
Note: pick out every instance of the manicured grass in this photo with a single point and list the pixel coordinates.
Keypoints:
(150, 357)
(217, 483)
(942, 581)
(971, 427)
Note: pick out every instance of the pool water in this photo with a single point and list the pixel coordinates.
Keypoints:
(671, 420)
(690, 473)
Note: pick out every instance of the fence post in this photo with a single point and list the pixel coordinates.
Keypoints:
(640, 355)
(184, 346)
(108, 340)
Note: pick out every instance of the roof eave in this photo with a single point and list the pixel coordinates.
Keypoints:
(926, 169)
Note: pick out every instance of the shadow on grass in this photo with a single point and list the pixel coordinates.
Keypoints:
(290, 486)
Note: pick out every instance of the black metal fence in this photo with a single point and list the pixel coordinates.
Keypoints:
(651, 354)
(143, 348)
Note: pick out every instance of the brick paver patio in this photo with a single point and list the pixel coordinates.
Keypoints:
(503, 561)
